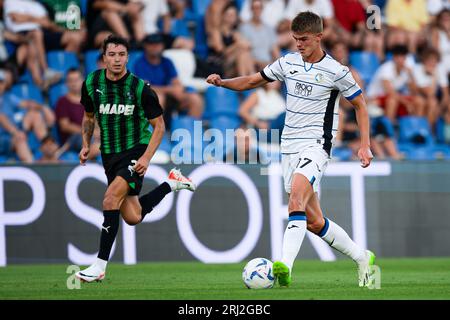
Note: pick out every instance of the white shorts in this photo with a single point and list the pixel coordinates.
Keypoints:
(311, 161)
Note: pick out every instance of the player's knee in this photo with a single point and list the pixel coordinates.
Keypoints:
(315, 226)
(110, 202)
(132, 221)
(296, 203)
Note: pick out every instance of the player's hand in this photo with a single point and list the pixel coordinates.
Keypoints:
(84, 155)
(141, 166)
(365, 156)
(214, 79)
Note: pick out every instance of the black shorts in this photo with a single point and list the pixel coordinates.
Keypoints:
(117, 165)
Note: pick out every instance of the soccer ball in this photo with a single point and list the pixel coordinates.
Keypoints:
(258, 274)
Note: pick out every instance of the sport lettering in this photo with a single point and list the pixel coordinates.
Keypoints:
(125, 109)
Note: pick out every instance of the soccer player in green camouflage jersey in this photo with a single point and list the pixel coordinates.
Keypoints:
(123, 106)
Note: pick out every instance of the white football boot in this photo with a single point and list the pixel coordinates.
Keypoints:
(364, 269)
(180, 182)
(90, 274)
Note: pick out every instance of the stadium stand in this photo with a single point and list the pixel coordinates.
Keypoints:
(417, 139)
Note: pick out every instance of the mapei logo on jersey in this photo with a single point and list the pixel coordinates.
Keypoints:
(303, 89)
(126, 109)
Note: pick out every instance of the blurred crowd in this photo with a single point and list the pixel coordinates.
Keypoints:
(398, 51)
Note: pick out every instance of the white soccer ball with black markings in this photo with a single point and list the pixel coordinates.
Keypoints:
(258, 274)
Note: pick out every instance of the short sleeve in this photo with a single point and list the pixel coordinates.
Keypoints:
(275, 70)
(442, 75)
(150, 103)
(86, 100)
(61, 110)
(327, 11)
(346, 84)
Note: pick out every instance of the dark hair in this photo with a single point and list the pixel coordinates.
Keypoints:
(72, 69)
(307, 21)
(48, 138)
(117, 40)
(399, 50)
(428, 53)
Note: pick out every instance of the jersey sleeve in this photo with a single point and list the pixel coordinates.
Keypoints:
(150, 103)
(86, 100)
(275, 70)
(346, 84)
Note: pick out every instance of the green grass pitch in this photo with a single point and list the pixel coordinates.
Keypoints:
(400, 279)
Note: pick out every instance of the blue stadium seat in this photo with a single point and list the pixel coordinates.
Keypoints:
(180, 28)
(62, 60)
(132, 57)
(55, 92)
(70, 156)
(90, 60)
(201, 46)
(342, 154)
(26, 78)
(28, 91)
(166, 145)
(415, 130)
(199, 6)
(245, 94)
(83, 7)
(222, 123)
(225, 122)
(366, 63)
(33, 142)
(421, 153)
(221, 101)
(194, 149)
(440, 128)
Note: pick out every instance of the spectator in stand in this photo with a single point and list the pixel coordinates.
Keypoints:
(262, 38)
(63, 26)
(12, 139)
(350, 26)
(393, 87)
(436, 6)
(28, 115)
(228, 48)
(23, 18)
(271, 15)
(348, 132)
(285, 41)
(160, 72)
(264, 107)
(122, 17)
(50, 151)
(159, 9)
(382, 130)
(440, 37)
(323, 8)
(410, 16)
(432, 82)
(213, 15)
(69, 116)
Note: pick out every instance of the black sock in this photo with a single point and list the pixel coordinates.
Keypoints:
(109, 231)
(150, 200)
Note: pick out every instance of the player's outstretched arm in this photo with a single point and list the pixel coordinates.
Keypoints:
(87, 129)
(364, 153)
(238, 83)
(158, 132)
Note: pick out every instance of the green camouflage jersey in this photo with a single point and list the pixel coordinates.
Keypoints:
(122, 109)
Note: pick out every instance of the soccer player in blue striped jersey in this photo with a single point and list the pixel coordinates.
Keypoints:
(314, 82)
